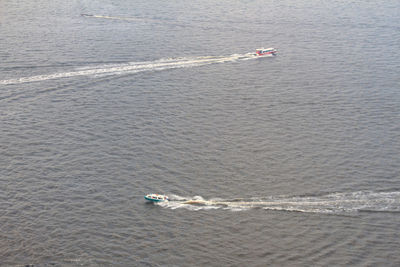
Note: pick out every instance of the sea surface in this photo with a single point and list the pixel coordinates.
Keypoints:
(287, 160)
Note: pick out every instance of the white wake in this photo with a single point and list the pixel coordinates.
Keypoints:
(132, 67)
(331, 203)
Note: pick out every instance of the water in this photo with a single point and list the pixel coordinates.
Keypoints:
(290, 160)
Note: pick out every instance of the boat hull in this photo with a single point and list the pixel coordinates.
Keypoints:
(266, 52)
(156, 198)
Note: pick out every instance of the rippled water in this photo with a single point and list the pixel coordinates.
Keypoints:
(290, 160)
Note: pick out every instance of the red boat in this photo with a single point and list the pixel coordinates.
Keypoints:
(266, 51)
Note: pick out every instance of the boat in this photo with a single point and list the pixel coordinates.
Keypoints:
(156, 198)
(266, 51)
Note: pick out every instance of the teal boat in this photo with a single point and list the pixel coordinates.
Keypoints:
(156, 198)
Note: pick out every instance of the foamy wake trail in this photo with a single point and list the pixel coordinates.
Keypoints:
(331, 203)
(131, 67)
(110, 17)
(137, 19)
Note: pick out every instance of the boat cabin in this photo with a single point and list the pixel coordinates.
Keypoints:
(265, 51)
(156, 197)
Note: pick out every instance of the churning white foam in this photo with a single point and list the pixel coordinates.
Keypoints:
(330, 203)
(132, 67)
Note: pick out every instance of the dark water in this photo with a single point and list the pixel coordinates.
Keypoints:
(290, 160)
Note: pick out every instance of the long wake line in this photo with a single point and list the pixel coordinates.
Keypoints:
(132, 67)
(336, 203)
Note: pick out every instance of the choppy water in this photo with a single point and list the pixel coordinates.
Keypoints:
(290, 160)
